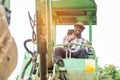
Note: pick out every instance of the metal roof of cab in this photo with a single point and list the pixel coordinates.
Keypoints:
(70, 11)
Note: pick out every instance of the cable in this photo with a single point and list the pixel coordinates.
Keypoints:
(25, 46)
(23, 73)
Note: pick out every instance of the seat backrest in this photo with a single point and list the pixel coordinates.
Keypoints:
(90, 55)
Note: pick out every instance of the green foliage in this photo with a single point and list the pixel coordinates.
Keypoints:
(109, 72)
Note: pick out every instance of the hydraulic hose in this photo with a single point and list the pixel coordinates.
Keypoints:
(28, 63)
(25, 45)
(32, 59)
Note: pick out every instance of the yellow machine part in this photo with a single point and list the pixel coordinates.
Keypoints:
(8, 48)
(90, 66)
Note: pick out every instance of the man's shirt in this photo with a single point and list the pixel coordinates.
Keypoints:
(79, 40)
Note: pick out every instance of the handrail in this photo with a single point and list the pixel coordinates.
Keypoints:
(78, 44)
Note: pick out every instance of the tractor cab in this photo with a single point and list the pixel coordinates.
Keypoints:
(70, 12)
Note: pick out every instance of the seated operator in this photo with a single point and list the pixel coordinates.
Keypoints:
(75, 37)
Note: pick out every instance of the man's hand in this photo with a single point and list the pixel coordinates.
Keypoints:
(71, 37)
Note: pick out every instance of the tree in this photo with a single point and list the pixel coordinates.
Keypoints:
(109, 72)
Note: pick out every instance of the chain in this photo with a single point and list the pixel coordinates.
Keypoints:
(33, 25)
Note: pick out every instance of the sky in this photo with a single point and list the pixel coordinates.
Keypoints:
(106, 39)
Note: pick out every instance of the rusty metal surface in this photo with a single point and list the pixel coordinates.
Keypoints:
(41, 20)
(50, 34)
(8, 48)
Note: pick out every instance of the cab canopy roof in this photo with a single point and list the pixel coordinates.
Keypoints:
(71, 11)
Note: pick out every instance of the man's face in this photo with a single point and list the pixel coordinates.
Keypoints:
(78, 30)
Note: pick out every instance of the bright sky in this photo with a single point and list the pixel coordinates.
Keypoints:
(106, 39)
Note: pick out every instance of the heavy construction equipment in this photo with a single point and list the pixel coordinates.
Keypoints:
(40, 64)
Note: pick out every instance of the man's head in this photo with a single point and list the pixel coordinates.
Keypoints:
(78, 28)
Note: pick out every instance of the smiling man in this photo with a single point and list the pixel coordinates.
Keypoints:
(75, 36)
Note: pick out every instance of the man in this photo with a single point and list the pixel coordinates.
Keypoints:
(74, 37)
